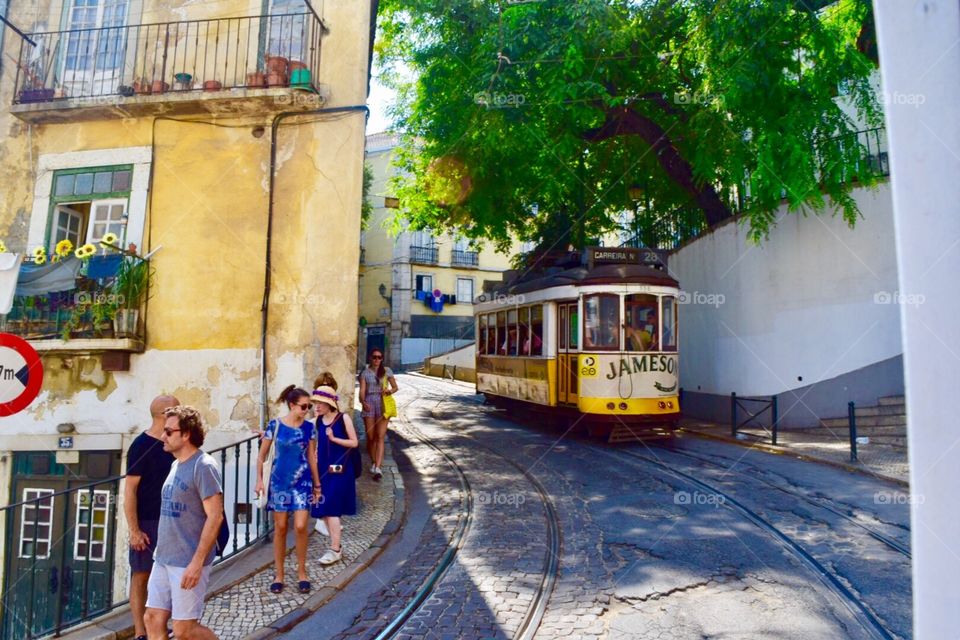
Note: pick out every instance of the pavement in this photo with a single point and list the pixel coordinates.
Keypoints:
(884, 462)
(239, 603)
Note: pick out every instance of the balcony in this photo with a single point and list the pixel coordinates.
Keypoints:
(464, 258)
(245, 64)
(89, 317)
(424, 255)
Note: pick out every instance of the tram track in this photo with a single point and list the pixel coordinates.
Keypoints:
(534, 613)
(851, 600)
(880, 537)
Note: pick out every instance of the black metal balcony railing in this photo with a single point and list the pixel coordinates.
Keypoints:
(64, 543)
(464, 258)
(194, 55)
(424, 255)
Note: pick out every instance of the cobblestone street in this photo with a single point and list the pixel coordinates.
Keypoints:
(635, 561)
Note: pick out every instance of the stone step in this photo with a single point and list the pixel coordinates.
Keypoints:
(893, 400)
(880, 410)
(889, 441)
(867, 421)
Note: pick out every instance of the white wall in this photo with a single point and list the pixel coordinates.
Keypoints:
(808, 302)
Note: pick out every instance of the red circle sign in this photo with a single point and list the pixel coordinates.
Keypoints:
(29, 376)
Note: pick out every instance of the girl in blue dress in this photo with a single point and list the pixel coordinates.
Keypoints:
(338, 487)
(294, 482)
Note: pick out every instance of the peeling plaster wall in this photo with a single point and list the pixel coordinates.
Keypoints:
(207, 208)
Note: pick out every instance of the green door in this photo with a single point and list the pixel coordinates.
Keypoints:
(59, 567)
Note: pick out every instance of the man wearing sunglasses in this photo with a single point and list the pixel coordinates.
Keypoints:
(190, 517)
(147, 467)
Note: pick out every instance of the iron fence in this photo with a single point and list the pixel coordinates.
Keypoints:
(61, 546)
(117, 61)
(464, 258)
(424, 255)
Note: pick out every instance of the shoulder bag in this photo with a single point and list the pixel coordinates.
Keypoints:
(389, 404)
(268, 466)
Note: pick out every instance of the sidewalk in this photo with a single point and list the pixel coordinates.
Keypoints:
(819, 445)
(239, 603)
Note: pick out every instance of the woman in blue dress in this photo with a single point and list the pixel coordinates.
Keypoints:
(338, 487)
(294, 483)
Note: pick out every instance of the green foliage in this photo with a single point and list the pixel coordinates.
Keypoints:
(132, 282)
(504, 122)
(366, 207)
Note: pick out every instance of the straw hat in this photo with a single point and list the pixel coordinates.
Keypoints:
(325, 394)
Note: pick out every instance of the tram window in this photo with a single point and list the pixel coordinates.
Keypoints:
(491, 334)
(563, 326)
(640, 323)
(601, 322)
(573, 327)
(501, 333)
(536, 330)
(512, 342)
(669, 323)
(524, 333)
(481, 334)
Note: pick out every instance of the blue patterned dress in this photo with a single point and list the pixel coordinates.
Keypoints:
(291, 483)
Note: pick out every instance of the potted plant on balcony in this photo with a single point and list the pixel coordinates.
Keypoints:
(130, 289)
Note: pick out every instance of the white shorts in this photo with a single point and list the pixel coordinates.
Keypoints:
(164, 592)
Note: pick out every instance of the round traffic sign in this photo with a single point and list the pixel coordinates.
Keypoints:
(21, 374)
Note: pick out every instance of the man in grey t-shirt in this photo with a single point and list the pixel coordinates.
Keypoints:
(190, 515)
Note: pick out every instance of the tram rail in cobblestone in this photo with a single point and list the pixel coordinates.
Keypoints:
(534, 614)
(456, 541)
(880, 537)
(856, 606)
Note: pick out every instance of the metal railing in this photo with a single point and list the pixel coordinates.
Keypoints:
(64, 578)
(192, 55)
(464, 258)
(759, 405)
(424, 255)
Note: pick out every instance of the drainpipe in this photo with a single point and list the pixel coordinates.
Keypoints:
(266, 278)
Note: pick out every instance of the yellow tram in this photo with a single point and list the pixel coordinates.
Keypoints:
(595, 340)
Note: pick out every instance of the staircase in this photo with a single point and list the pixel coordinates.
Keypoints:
(885, 423)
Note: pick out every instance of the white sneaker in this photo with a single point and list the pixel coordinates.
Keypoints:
(373, 468)
(321, 527)
(377, 473)
(331, 556)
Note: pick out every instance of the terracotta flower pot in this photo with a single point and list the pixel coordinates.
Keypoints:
(212, 85)
(276, 64)
(256, 80)
(294, 65)
(159, 86)
(142, 87)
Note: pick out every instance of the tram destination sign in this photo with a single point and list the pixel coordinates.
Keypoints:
(625, 255)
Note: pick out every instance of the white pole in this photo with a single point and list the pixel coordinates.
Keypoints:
(919, 42)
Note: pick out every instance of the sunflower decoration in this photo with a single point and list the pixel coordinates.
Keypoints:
(110, 241)
(85, 252)
(63, 249)
(39, 256)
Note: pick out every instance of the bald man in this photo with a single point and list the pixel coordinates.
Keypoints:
(147, 467)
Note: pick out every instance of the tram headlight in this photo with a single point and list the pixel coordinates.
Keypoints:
(670, 404)
(662, 404)
(623, 406)
(610, 406)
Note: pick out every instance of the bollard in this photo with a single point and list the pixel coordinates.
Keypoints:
(733, 414)
(852, 418)
(776, 418)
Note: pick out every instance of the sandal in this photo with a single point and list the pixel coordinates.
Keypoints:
(276, 587)
(303, 586)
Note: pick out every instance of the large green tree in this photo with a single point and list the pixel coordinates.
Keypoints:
(549, 118)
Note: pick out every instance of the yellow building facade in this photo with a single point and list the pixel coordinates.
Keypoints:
(400, 273)
(224, 140)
